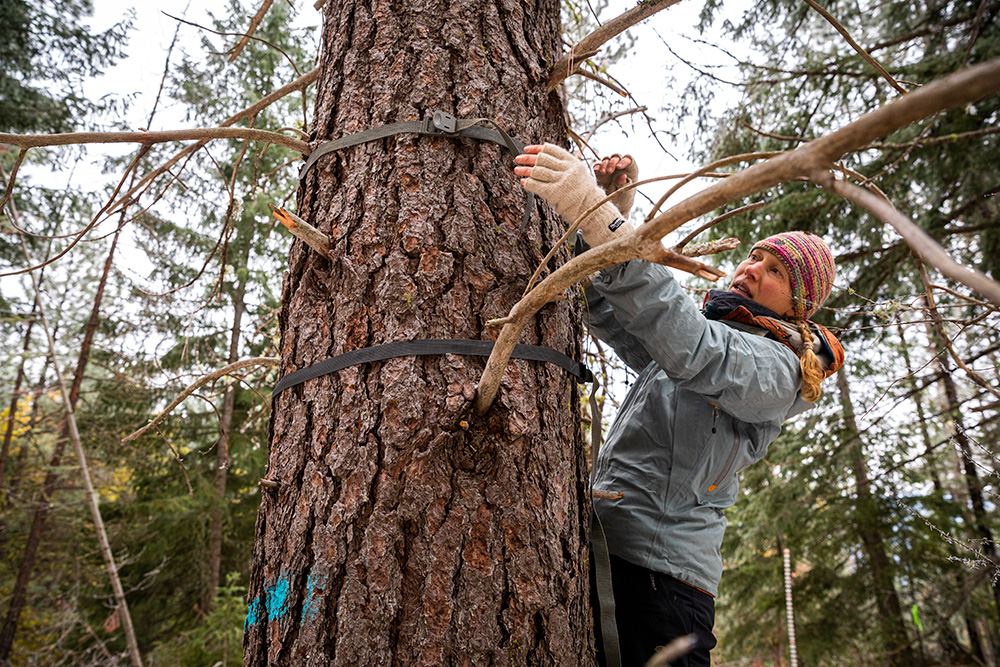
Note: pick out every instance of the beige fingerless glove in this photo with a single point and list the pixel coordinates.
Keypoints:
(607, 181)
(566, 183)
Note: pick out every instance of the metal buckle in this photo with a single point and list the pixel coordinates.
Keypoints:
(442, 122)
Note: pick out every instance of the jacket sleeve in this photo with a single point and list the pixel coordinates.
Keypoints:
(753, 378)
(604, 326)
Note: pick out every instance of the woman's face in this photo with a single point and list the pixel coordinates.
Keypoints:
(763, 278)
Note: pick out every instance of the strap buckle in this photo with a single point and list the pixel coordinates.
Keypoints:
(441, 123)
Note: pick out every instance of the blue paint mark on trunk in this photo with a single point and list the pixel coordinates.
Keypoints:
(277, 599)
(314, 585)
(253, 614)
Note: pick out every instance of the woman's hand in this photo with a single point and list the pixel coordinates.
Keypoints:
(614, 173)
(560, 178)
(612, 170)
(529, 158)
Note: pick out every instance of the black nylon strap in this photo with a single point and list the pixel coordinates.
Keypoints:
(430, 126)
(409, 348)
(439, 124)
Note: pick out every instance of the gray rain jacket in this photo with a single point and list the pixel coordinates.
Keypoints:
(709, 399)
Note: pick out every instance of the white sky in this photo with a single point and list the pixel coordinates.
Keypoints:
(643, 72)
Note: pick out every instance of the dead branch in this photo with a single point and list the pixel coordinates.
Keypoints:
(857, 47)
(918, 240)
(26, 141)
(299, 84)
(254, 24)
(601, 80)
(675, 649)
(932, 309)
(607, 118)
(709, 247)
(211, 377)
(302, 230)
(589, 45)
(813, 160)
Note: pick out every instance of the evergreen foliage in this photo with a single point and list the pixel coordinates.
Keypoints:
(885, 456)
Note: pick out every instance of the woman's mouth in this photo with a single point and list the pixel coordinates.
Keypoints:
(740, 289)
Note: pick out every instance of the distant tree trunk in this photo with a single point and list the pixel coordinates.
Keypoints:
(17, 596)
(218, 513)
(405, 530)
(950, 645)
(8, 433)
(868, 523)
(937, 334)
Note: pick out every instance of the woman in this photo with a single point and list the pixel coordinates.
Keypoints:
(712, 390)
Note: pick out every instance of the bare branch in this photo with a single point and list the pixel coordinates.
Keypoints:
(857, 47)
(148, 138)
(302, 230)
(589, 45)
(254, 24)
(299, 84)
(601, 80)
(709, 247)
(919, 240)
(211, 377)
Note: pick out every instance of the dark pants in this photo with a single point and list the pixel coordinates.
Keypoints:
(651, 609)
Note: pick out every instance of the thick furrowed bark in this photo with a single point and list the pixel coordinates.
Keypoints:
(405, 530)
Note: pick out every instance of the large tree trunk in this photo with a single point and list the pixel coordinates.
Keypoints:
(403, 529)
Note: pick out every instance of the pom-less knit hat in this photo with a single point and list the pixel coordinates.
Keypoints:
(810, 266)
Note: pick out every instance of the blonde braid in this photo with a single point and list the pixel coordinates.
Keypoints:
(812, 369)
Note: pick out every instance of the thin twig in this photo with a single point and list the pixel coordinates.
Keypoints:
(254, 24)
(177, 458)
(569, 63)
(919, 240)
(714, 221)
(857, 47)
(607, 118)
(744, 157)
(601, 80)
(149, 138)
(211, 377)
(932, 308)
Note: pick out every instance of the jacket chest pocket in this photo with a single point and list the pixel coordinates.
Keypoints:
(719, 478)
(725, 455)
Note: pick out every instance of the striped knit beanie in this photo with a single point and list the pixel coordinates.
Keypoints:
(810, 266)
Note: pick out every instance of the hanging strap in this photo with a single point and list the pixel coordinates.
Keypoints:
(439, 124)
(599, 544)
(409, 348)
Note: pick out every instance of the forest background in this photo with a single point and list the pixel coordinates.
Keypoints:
(885, 494)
